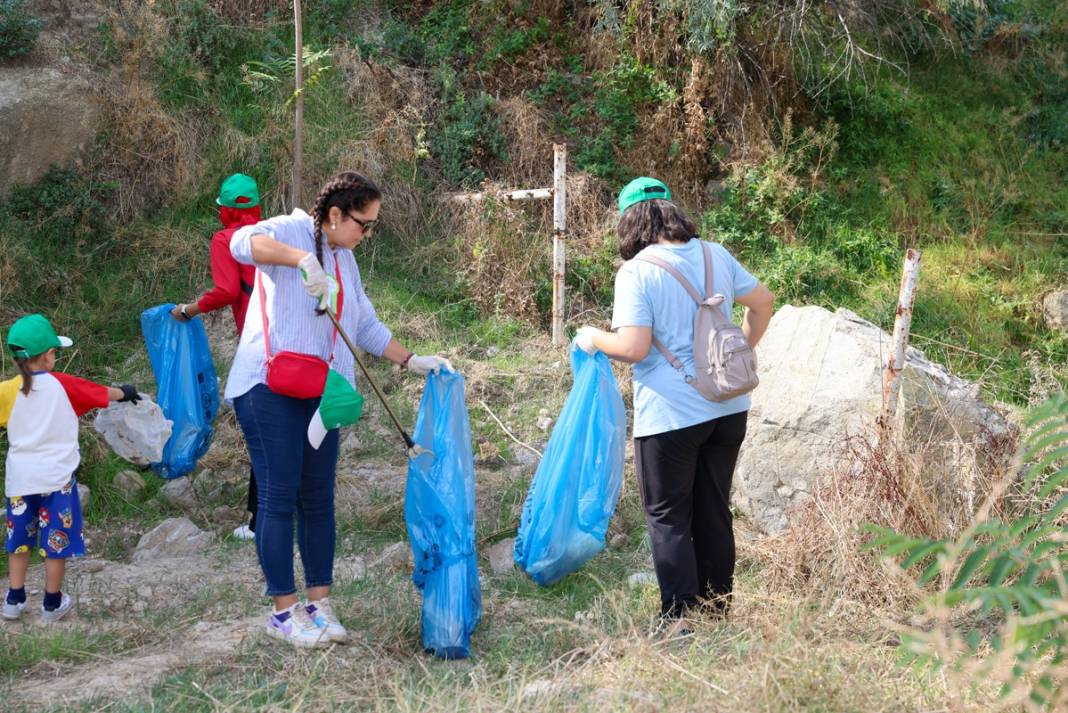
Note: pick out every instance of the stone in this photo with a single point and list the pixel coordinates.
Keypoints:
(545, 421)
(526, 457)
(395, 556)
(501, 556)
(175, 536)
(641, 579)
(821, 384)
(179, 493)
(137, 432)
(618, 541)
(48, 116)
(228, 516)
(129, 483)
(84, 496)
(350, 569)
(1055, 310)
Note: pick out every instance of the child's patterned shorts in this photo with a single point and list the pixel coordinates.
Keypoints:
(56, 517)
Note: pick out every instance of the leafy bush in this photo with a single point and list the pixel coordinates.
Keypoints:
(468, 137)
(1001, 585)
(19, 29)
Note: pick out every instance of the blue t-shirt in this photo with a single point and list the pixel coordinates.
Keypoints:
(648, 295)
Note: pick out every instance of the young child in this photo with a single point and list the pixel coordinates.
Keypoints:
(40, 409)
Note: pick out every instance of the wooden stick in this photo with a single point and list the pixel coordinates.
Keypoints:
(298, 122)
(902, 323)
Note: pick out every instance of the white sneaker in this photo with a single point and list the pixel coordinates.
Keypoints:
(243, 533)
(323, 615)
(13, 611)
(295, 626)
(65, 605)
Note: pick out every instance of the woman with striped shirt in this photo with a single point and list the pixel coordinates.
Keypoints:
(294, 255)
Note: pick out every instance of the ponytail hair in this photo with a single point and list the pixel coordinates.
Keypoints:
(348, 191)
(27, 374)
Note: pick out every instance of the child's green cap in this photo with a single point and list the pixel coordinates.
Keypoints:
(33, 335)
(239, 191)
(642, 189)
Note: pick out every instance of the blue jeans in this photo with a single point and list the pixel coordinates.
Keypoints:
(292, 478)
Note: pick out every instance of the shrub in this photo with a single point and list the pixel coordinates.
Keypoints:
(19, 29)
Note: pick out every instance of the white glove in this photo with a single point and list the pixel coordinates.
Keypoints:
(315, 280)
(423, 365)
(584, 339)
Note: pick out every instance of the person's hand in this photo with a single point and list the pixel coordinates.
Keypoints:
(423, 365)
(179, 313)
(129, 393)
(584, 339)
(316, 282)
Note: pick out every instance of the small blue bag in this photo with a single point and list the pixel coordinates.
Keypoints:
(439, 509)
(577, 485)
(186, 387)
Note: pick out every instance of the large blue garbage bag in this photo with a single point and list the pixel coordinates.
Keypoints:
(186, 387)
(577, 484)
(439, 509)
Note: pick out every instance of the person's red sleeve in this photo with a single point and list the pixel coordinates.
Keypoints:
(84, 395)
(225, 273)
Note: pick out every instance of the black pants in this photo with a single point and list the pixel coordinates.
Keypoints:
(253, 496)
(685, 481)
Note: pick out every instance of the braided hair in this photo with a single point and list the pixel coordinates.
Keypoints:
(348, 191)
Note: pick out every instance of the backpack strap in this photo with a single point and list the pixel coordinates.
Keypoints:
(707, 253)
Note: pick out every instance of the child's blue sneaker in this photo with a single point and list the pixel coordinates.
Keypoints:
(65, 605)
(13, 611)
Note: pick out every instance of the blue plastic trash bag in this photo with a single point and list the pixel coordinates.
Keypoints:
(577, 484)
(439, 509)
(187, 390)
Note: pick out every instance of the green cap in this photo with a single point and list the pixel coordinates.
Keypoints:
(239, 191)
(33, 335)
(642, 189)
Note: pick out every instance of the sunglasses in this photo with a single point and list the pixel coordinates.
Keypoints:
(367, 225)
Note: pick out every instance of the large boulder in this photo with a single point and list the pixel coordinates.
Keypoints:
(47, 116)
(821, 385)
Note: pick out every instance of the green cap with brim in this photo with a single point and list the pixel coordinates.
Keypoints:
(33, 335)
(642, 189)
(239, 191)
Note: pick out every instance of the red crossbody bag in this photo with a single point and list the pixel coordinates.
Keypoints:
(300, 376)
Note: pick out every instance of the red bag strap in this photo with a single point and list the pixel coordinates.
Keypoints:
(263, 309)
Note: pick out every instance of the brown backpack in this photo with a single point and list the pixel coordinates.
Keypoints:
(724, 360)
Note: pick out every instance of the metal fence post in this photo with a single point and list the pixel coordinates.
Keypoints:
(559, 245)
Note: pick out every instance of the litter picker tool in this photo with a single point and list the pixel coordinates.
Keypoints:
(414, 450)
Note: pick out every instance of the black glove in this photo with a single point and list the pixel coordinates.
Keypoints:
(129, 393)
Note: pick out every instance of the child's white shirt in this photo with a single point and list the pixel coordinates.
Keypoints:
(42, 430)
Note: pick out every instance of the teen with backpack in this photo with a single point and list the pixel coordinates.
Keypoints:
(690, 392)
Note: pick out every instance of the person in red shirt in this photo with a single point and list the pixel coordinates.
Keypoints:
(239, 205)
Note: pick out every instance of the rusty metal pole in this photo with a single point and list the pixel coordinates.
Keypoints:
(559, 246)
(298, 123)
(902, 323)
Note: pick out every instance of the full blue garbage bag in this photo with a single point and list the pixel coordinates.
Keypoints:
(577, 484)
(439, 509)
(187, 390)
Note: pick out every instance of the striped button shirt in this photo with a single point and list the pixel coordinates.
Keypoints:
(291, 314)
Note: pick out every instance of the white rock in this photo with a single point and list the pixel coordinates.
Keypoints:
(172, 537)
(137, 432)
(501, 556)
(821, 383)
(641, 579)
